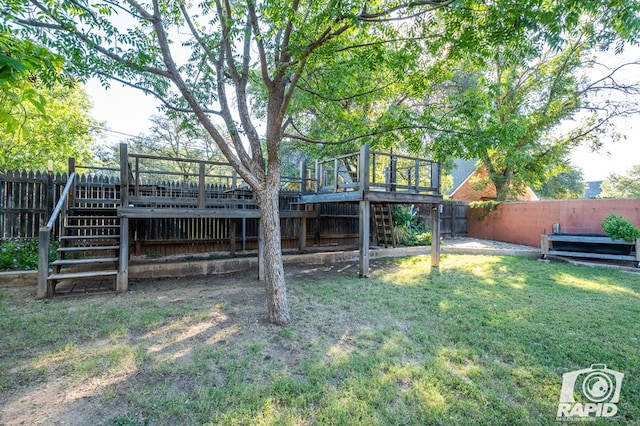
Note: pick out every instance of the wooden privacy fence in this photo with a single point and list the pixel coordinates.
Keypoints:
(27, 199)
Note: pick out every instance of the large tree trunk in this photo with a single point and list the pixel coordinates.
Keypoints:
(502, 191)
(503, 186)
(277, 305)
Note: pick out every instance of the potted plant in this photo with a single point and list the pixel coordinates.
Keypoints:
(619, 228)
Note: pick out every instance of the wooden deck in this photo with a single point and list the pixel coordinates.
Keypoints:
(212, 190)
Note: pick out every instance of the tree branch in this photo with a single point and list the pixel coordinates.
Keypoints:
(379, 16)
(73, 30)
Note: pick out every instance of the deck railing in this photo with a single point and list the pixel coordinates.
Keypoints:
(155, 181)
(378, 171)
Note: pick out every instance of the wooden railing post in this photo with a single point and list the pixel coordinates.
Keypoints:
(136, 188)
(363, 171)
(124, 175)
(335, 175)
(318, 176)
(303, 176)
(71, 201)
(417, 175)
(201, 186)
(435, 175)
(394, 172)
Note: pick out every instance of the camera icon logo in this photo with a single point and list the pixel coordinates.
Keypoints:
(597, 389)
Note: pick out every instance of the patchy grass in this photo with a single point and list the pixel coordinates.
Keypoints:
(482, 340)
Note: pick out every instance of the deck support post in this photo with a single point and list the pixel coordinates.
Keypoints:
(365, 219)
(122, 279)
(261, 272)
(435, 235)
(244, 233)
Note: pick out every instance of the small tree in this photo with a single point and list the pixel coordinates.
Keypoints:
(564, 184)
(622, 186)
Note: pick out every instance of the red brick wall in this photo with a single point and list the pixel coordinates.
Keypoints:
(524, 222)
(466, 192)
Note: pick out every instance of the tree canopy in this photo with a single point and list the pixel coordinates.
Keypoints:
(508, 103)
(58, 127)
(24, 66)
(625, 185)
(564, 184)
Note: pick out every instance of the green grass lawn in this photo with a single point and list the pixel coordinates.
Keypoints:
(484, 340)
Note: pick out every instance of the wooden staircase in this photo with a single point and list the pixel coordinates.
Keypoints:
(89, 246)
(383, 224)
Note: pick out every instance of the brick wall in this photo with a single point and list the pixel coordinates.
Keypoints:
(524, 222)
(467, 192)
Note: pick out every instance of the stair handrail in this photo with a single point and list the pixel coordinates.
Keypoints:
(45, 239)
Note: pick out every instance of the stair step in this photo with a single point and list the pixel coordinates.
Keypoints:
(91, 217)
(88, 274)
(89, 226)
(97, 201)
(87, 261)
(93, 211)
(90, 237)
(90, 248)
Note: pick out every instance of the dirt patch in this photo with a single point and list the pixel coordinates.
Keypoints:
(54, 383)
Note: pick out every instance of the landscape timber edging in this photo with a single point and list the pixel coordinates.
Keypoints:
(221, 266)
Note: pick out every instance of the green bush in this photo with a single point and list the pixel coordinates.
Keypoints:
(22, 255)
(619, 228)
(407, 229)
(403, 215)
(416, 236)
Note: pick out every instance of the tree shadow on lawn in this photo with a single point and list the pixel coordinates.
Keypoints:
(482, 340)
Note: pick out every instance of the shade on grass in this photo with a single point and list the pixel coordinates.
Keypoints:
(484, 340)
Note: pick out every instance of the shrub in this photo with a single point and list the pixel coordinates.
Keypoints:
(407, 228)
(22, 255)
(619, 228)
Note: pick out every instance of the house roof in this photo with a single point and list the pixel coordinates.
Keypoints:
(462, 170)
(593, 189)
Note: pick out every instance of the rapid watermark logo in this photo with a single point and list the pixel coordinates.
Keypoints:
(598, 390)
